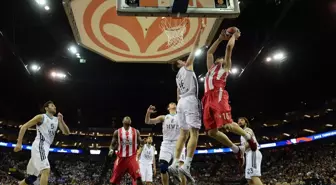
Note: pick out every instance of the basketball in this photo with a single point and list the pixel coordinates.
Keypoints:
(230, 31)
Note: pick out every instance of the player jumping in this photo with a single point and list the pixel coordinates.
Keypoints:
(126, 140)
(253, 158)
(46, 127)
(146, 156)
(217, 111)
(171, 132)
(188, 112)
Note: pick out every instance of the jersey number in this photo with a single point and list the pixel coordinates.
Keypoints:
(249, 171)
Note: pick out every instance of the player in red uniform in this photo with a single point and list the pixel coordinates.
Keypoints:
(217, 111)
(126, 140)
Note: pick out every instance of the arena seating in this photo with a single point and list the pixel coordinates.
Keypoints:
(309, 163)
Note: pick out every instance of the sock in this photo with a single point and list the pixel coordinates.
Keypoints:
(247, 136)
(188, 161)
(234, 148)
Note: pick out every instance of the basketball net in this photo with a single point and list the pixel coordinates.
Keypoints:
(174, 28)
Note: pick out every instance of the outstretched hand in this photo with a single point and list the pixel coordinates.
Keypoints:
(223, 35)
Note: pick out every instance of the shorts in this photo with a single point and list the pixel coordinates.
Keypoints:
(216, 109)
(189, 113)
(123, 165)
(39, 158)
(167, 151)
(253, 164)
(146, 171)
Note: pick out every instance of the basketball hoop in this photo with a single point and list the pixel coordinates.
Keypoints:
(174, 28)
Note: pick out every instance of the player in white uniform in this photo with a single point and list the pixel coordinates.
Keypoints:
(188, 111)
(252, 158)
(146, 156)
(46, 127)
(171, 132)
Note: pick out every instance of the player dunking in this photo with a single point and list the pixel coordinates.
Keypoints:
(146, 156)
(46, 127)
(171, 132)
(188, 112)
(125, 140)
(253, 158)
(216, 108)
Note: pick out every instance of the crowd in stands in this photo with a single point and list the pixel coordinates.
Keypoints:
(308, 163)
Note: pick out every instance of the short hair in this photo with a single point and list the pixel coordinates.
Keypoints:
(46, 104)
(175, 67)
(246, 121)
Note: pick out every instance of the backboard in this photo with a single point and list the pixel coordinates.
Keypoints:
(196, 8)
(97, 27)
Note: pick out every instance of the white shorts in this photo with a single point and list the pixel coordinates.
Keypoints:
(253, 164)
(146, 171)
(39, 158)
(167, 151)
(189, 113)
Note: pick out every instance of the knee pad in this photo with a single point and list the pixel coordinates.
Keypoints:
(30, 179)
(163, 166)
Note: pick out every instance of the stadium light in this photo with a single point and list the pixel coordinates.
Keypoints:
(47, 8)
(198, 52)
(73, 49)
(268, 59)
(41, 2)
(57, 75)
(234, 70)
(278, 56)
(35, 67)
(202, 79)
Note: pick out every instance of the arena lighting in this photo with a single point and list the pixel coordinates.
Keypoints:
(198, 52)
(41, 2)
(58, 75)
(234, 70)
(95, 152)
(202, 79)
(278, 56)
(72, 49)
(268, 59)
(35, 67)
(47, 8)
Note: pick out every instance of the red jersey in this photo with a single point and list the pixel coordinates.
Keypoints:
(127, 140)
(215, 78)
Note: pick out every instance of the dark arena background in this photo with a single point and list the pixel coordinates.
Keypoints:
(282, 80)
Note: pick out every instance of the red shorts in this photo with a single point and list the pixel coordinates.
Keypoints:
(123, 165)
(216, 109)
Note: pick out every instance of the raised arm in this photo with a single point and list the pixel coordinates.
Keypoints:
(36, 120)
(213, 48)
(114, 143)
(64, 128)
(148, 120)
(191, 58)
(229, 48)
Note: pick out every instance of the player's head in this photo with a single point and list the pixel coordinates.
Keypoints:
(127, 121)
(177, 65)
(172, 107)
(49, 107)
(243, 122)
(220, 60)
(149, 140)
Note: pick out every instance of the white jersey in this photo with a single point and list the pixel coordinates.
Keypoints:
(46, 130)
(186, 81)
(243, 140)
(170, 128)
(147, 154)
